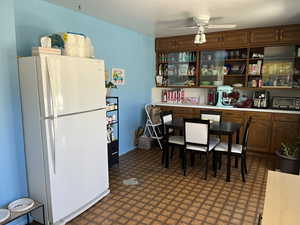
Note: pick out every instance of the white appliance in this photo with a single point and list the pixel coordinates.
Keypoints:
(63, 104)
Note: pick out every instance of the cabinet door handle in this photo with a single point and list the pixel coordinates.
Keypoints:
(277, 37)
(281, 35)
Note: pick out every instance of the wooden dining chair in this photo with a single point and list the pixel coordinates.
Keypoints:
(212, 116)
(238, 150)
(197, 139)
(169, 137)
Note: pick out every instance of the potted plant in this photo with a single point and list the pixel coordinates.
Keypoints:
(109, 85)
(289, 157)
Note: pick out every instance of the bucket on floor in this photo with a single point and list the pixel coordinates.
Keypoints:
(144, 142)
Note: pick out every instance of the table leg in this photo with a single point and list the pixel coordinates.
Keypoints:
(229, 157)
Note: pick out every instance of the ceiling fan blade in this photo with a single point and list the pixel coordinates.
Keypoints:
(220, 26)
(183, 27)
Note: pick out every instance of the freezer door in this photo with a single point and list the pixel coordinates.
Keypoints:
(78, 164)
(70, 84)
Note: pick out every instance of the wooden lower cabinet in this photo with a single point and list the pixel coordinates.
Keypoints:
(259, 136)
(236, 117)
(259, 131)
(267, 130)
(285, 129)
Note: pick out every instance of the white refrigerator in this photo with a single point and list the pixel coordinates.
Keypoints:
(63, 106)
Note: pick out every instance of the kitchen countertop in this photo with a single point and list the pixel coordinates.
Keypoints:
(227, 108)
(281, 205)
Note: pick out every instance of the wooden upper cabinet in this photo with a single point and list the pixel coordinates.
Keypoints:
(185, 43)
(290, 34)
(165, 44)
(213, 40)
(235, 38)
(264, 36)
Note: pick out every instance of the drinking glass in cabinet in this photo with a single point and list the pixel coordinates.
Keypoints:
(177, 68)
(212, 67)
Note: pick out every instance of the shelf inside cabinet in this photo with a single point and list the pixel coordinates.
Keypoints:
(235, 75)
(113, 131)
(113, 141)
(112, 123)
(234, 60)
(253, 59)
(177, 62)
(254, 75)
(112, 110)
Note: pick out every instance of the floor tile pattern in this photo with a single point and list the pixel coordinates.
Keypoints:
(165, 196)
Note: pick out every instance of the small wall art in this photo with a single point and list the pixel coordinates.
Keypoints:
(118, 76)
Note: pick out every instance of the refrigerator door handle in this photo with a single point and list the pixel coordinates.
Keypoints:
(53, 143)
(51, 94)
(53, 120)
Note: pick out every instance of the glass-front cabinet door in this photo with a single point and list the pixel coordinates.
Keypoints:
(212, 68)
(279, 65)
(176, 69)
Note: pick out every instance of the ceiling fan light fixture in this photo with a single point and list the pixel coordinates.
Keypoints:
(200, 38)
(203, 38)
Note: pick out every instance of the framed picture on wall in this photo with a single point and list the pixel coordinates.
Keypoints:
(118, 76)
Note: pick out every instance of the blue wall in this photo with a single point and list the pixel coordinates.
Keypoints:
(22, 24)
(12, 166)
(118, 46)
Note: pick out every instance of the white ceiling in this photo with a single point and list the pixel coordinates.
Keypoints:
(160, 17)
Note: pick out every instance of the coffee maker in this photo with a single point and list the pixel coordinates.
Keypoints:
(261, 99)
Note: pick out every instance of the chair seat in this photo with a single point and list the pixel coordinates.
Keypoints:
(171, 130)
(223, 147)
(178, 140)
(212, 144)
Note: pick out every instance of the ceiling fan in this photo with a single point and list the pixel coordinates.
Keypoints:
(202, 24)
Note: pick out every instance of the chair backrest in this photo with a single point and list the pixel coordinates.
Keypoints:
(212, 116)
(196, 131)
(153, 114)
(246, 133)
(166, 116)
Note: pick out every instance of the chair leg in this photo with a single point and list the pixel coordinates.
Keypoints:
(184, 162)
(220, 160)
(215, 163)
(172, 151)
(163, 156)
(192, 158)
(242, 169)
(245, 164)
(206, 166)
(236, 162)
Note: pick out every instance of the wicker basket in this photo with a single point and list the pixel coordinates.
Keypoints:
(144, 142)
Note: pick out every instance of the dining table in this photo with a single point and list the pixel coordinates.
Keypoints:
(223, 128)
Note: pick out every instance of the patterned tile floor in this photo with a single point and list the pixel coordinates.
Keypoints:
(165, 196)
